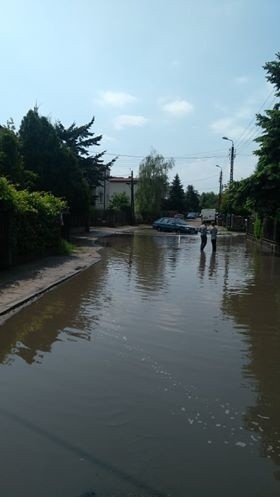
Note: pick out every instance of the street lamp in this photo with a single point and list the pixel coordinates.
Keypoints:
(232, 156)
(220, 187)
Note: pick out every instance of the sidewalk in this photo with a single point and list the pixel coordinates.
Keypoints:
(26, 282)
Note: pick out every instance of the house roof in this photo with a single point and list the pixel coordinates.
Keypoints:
(118, 179)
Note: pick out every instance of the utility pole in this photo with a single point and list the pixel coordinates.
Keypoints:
(132, 198)
(104, 191)
(220, 188)
(232, 157)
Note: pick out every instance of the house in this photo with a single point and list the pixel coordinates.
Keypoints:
(112, 185)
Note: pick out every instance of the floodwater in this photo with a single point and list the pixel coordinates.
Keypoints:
(154, 373)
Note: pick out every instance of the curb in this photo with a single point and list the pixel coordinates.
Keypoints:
(39, 293)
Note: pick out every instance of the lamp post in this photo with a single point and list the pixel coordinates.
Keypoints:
(232, 156)
(220, 187)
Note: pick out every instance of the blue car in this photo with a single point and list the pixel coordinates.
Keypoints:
(176, 225)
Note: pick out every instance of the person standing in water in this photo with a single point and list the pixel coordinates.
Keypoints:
(213, 234)
(203, 236)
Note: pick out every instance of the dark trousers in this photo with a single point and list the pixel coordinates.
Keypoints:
(203, 242)
(214, 244)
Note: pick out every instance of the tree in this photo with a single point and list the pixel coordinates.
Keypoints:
(192, 199)
(176, 199)
(40, 148)
(235, 199)
(119, 202)
(152, 185)
(264, 186)
(208, 200)
(80, 140)
(61, 159)
(11, 160)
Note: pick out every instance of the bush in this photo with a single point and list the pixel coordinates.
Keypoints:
(258, 227)
(36, 219)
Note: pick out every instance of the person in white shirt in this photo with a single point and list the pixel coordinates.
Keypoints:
(213, 234)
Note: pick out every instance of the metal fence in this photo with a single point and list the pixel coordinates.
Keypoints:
(269, 231)
(232, 222)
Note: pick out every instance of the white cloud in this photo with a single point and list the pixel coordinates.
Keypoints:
(108, 139)
(125, 120)
(117, 98)
(227, 126)
(241, 80)
(178, 108)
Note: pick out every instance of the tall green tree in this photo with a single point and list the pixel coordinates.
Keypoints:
(208, 200)
(80, 140)
(11, 160)
(176, 199)
(152, 187)
(55, 165)
(264, 186)
(192, 199)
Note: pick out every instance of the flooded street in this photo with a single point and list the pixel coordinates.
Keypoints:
(154, 373)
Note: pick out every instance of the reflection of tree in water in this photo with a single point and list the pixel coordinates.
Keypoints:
(257, 309)
(148, 255)
(33, 331)
(143, 258)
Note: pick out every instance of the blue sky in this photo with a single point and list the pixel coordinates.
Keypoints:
(173, 76)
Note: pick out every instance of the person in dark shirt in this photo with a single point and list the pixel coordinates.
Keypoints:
(203, 236)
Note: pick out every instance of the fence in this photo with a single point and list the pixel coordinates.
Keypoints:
(5, 240)
(232, 222)
(269, 229)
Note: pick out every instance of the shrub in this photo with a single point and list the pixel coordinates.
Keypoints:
(36, 219)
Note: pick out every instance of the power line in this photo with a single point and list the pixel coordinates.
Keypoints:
(190, 157)
(252, 124)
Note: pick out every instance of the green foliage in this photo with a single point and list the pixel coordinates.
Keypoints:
(192, 199)
(11, 160)
(65, 248)
(119, 202)
(208, 200)
(152, 185)
(273, 73)
(61, 159)
(36, 218)
(80, 140)
(176, 199)
(258, 227)
(7, 195)
(235, 199)
(260, 192)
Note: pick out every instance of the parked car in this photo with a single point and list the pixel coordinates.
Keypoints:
(191, 215)
(158, 221)
(172, 224)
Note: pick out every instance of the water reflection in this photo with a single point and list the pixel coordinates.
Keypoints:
(32, 332)
(256, 311)
(171, 347)
(202, 265)
(212, 265)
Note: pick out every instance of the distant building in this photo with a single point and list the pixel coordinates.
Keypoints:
(111, 186)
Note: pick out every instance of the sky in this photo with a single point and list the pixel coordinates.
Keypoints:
(171, 76)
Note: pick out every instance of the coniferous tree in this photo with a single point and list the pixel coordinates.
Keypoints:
(176, 200)
(192, 199)
(80, 140)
